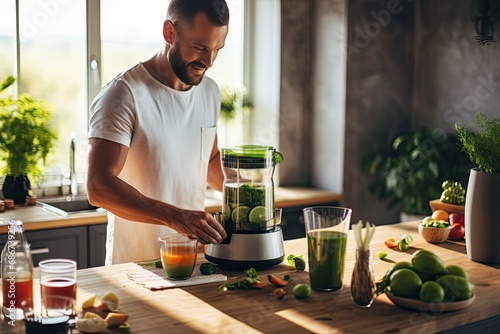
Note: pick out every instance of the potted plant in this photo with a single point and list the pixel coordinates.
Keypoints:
(410, 172)
(235, 109)
(482, 204)
(26, 138)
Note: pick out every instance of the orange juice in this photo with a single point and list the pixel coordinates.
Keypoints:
(178, 261)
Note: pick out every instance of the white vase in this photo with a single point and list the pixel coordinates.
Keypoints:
(482, 217)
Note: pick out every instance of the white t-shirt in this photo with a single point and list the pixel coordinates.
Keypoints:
(170, 135)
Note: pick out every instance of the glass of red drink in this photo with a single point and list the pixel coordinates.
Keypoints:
(178, 255)
(58, 286)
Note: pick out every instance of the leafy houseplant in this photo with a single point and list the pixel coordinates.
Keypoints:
(231, 100)
(482, 148)
(26, 139)
(482, 204)
(411, 171)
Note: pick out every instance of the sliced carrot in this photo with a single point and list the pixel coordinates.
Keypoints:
(258, 285)
(391, 242)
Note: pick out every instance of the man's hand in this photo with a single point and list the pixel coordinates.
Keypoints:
(200, 223)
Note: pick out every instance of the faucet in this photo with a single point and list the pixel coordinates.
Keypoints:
(73, 180)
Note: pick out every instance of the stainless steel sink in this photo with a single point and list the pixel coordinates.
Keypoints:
(67, 205)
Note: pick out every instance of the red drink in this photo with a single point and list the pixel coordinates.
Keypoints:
(179, 261)
(15, 291)
(58, 293)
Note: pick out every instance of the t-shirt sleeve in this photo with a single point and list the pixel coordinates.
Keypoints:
(112, 114)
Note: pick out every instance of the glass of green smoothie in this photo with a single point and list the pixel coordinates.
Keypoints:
(326, 230)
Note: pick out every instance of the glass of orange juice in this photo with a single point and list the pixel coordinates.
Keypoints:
(178, 255)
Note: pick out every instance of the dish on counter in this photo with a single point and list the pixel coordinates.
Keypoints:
(417, 305)
(436, 204)
(434, 235)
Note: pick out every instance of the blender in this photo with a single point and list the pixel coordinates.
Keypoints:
(254, 235)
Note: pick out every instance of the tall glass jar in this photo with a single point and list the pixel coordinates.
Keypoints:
(363, 279)
(17, 273)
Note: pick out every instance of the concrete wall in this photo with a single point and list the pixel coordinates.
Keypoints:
(407, 64)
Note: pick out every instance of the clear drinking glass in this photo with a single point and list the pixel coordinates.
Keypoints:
(178, 255)
(58, 286)
(326, 229)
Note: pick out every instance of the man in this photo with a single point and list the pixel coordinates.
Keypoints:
(152, 138)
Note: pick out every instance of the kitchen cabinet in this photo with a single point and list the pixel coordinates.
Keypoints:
(68, 243)
(97, 244)
(84, 244)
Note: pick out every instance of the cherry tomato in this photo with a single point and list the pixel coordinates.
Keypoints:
(456, 218)
(457, 232)
(279, 293)
(391, 242)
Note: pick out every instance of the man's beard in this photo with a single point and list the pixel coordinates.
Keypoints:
(180, 67)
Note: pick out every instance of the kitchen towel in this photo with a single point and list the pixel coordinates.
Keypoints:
(154, 278)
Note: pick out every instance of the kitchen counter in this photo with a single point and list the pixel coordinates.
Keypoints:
(203, 309)
(37, 218)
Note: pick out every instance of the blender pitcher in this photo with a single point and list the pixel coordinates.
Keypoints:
(254, 235)
(248, 191)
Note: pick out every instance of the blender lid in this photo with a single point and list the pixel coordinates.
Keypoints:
(250, 156)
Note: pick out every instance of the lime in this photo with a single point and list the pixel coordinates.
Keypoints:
(431, 291)
(456, 288)
(240, 215)
(301, 291)
(405, 283)
(399, 265)
(226, 213)
(427, 263)
(207, 268)
(456, 270)
(381, 255)
(257, 215)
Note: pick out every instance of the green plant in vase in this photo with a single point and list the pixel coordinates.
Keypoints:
(482, 204)
(26, 139)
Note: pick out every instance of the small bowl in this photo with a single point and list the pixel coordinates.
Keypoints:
(434, 235)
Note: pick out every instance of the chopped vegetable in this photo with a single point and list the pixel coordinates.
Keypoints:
(391, 242)
(296, 261)
(242, 283)
(279, 293)
(258, 284)
(363, 243)
(276, 281)
(156, 263)
(404, 243)
(438, 223)
(381, 255)
(207, 268)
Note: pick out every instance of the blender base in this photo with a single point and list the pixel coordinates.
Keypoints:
(246, 250)
(235, 264)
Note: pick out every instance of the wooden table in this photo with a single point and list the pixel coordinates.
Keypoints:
(202, 309)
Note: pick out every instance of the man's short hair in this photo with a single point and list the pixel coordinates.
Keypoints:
(185, 10)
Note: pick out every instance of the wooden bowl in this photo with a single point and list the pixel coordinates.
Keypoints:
(434, 235)
(450, 208)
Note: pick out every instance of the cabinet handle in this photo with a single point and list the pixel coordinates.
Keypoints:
(39, 251)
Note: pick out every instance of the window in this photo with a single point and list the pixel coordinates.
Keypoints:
(51, 64)
(55, 60)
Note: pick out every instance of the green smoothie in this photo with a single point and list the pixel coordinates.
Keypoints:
(326, 251)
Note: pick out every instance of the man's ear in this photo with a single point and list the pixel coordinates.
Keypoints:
(168, 32)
